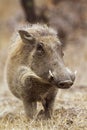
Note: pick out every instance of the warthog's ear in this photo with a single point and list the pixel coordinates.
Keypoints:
(26, 37)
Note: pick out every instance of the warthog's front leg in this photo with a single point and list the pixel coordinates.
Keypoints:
(48, 104)
(30, 108)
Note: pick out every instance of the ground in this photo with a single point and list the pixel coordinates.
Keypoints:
(70, 109)
(70, 112)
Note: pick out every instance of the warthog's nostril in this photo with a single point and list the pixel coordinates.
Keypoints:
(65, 84)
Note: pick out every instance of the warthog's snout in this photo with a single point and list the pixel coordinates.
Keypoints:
(63, 81)
(65, 84)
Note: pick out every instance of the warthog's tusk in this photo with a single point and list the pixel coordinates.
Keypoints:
(70, 71)
(50, 73)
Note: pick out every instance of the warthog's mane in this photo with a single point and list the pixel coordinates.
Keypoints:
(36, 30)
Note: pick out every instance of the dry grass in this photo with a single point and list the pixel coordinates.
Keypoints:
(70, 112)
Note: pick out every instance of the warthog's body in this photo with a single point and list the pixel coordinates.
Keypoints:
(35, 68)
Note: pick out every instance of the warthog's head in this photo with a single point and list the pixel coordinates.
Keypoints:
(46, 56)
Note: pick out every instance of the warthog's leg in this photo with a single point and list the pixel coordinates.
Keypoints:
(48, 104)
(30, 108)
(24, 79)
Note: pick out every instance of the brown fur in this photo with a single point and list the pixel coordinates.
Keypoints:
(27, 73)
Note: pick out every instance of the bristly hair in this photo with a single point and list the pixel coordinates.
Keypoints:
(39, 30)
(36, 30)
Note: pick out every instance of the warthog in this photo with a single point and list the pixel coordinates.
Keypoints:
(35, 68)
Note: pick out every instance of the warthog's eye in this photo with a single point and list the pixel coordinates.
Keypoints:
(40, 49)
